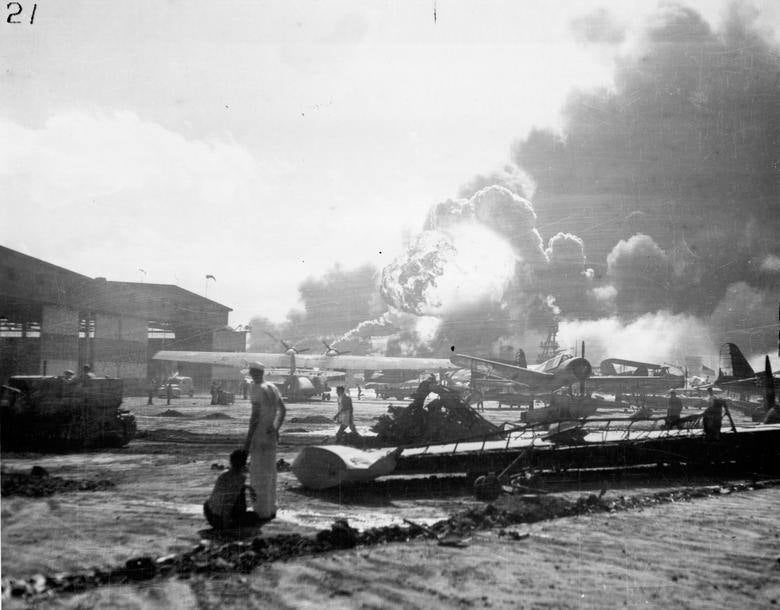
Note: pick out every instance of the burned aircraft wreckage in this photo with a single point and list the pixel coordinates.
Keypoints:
(447, 436)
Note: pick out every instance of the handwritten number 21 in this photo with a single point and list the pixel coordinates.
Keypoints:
(17, 12)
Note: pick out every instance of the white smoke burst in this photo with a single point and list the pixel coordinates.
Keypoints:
(443, 272)
(660, 337)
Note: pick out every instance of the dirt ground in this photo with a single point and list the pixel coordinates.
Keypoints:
(718, 552)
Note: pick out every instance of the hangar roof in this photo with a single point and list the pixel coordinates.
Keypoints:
(27, 281)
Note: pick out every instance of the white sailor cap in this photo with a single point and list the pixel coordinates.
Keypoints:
(256, 366)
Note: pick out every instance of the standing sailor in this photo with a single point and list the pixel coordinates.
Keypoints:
(712, 418)
(344, 416)
(674, 410)
(267, 417)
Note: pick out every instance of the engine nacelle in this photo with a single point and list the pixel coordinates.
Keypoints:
(579, 368)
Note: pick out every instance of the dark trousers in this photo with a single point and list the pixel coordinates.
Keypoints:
(711, 423)
(673, 421)
(240, 516)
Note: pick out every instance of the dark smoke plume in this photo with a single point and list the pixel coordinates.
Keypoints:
(331, 305)
(666, 188)
(684, 149)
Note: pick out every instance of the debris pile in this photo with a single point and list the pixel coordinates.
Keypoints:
(217, 415)
(312, 419)
(445, 418)
(243, 556)
(38, 483)
(171, 413)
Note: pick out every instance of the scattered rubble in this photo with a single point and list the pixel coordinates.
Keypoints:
(38, 483)
(282, 465)
(171, 413)
(443, 419)
(312, 419)
(244, 555)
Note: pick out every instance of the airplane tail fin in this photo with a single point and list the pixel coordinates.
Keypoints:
(520, 359)
(732, 364)
(769, 385)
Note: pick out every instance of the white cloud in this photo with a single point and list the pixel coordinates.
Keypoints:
(106, 193)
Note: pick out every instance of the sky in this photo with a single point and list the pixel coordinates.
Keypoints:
(263, 143)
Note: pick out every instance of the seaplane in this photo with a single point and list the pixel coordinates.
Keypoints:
(622, 376)
(331, 363)
(611, 442)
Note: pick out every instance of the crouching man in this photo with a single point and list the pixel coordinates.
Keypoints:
(226, 507)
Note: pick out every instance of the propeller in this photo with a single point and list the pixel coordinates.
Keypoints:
(287, 346)
(332, 351)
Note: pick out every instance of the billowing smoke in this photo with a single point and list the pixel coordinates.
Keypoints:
(477, 267)
(445, 271)
(510, 177)
(664, 188)
(659, 337)
(683, 149)
(670, 177)
(747, 316)
(639, 271)
(331, 305)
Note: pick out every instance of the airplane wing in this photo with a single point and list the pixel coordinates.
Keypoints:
(633, 363)
(239, 360)
(652, 383)
(501, 370)
(342, 362)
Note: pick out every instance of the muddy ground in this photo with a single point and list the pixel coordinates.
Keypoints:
(660, 556)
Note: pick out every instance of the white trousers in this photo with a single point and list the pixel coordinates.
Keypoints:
(262, 471)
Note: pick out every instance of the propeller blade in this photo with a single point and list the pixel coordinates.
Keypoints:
(305, 349)
(325, 344)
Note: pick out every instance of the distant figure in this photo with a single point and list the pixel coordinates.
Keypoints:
(244, 388)
(773, 415)
(151, 386)
(86, 373)
(426, 387)
(360, 393)
(713, 416)
(168, 391)
(226, 507)
(268, 412)
(214, 392)
(673, 411)
(344, 416)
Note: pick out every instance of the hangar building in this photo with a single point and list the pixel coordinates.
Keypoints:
(53, 319)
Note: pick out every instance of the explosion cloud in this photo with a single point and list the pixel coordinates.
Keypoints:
(683, 149)
(665, 185)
